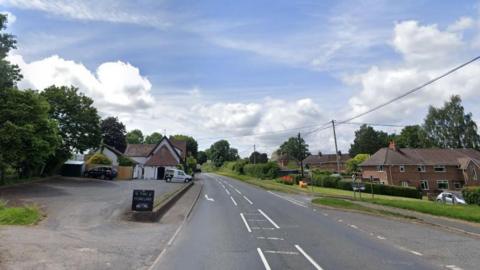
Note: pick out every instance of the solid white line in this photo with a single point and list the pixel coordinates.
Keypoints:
(233, 200)
(238, 191)
(228, 192)
(245, 222)
(380, 237)
(264, 261)
(282, 252)
(290, 200)
(247, 200)
(270, 238)
(269, 219)
(453, 267)
(308, 258)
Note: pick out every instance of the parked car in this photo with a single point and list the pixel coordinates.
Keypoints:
(102, 173)
(174, 175)
(450, 198)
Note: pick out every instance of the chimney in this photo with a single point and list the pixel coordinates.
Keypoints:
(393, 146)
(320, 153)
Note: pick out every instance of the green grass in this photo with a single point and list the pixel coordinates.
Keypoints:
(463, 212)
(26, 215)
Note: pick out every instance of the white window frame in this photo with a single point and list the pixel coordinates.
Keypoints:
(443, 181)
(404, 183)
(440, 166)
(424, 182)
(380, 168)
(421, 168)
(455, 184)
(475, 175)
(401, 168)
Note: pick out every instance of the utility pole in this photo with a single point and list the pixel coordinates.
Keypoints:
(336, 147)
(254, 155)
(300, 153)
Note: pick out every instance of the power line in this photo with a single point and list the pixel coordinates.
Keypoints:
(375, 124)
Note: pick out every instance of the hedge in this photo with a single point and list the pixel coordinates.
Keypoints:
(125, 161)
(267, 170)
(471, 195)
(99, 158)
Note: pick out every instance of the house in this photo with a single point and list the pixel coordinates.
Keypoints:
(153, 159)
(326, 162)
(111, 153)
(432, 170)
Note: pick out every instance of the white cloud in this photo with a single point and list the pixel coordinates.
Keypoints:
(10, 17)
(461, 24)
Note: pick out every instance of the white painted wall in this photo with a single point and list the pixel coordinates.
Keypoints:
(140, 160)
(150, 172)
(111, 155)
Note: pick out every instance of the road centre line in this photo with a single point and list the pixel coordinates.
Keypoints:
(238, 191)
(264, 261)
(409, 250)
(314, 263)
(228, 192)
(233, 200)
(245, 222)
(247, 200)
(269, 219)
(288, 199)
(282, 252)
(453, 267)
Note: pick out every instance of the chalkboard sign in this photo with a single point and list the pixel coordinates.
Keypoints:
(143, 200)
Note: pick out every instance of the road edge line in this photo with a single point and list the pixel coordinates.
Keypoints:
(264, 260)
(313, 262)
(245, 222)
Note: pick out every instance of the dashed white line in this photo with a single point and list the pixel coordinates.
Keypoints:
(262, 228)
(228, 192)
(258, 220)
(238, 191)
(409, 250)
(270, 238)
(269, 219)
(288, 199)
(453, 267)
(381, 237)
(313, 262)
(245, 222)
(264, 261)
(353, 226)
(325, 214)
(233, 200)
(282, 252)
(248, 200)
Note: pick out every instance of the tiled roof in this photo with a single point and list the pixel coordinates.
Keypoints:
(182, 145)
(163, 157)
(430, 156)
(139, 150)
(329, 158)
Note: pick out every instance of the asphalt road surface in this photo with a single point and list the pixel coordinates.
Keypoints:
(238, 226)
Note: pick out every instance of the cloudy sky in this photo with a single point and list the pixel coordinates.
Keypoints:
(253, 72)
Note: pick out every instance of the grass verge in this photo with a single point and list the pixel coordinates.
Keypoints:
(26, 215)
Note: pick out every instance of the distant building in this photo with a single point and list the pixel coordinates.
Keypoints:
(432, 170)
(326, 162)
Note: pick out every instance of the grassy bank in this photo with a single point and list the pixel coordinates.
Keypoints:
(26, 215)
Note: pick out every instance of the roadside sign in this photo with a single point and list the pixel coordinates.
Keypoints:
(142, 200)
(358, 186)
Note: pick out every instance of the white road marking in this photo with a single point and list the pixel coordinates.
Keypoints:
(270, 238)
(245, 222)
(262, 228)
(238, 191)
(314, 263)
(381, 237)
(269, 219)
(453, 267)
(233, 200)
(250, 202)
(282, 252)
(257, 220)
(264, 261)
(325, 214)
(209, 199)
(289, 199)
(353, 226)
(409, 250)
(228, 192)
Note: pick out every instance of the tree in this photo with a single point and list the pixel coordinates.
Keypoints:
(113, 133)
(135, 137)
(201, 157)
(9, 74)
(191, 164)
(413, 137)
(220, 152)
(192, 145)
(368, 141)
(256, 157)
(295, 147)
(78, 122)
(450, 127)
(153, 138)
(352, 164)
(27, 135)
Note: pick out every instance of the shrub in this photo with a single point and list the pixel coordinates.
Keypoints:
(125, 161)
(287, 180)
(239, 165)
(99, 158)
(471, 195)
(267, 170)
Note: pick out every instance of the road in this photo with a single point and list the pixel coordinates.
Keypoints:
(239, 226)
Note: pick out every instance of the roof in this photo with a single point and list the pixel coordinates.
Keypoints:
(329, 158)
(181, 145)
(144, 150)
(423, 156)
(113, 149)
(163, 157)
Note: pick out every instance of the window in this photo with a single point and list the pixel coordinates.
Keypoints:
(421, 168)
(380, 168)
(439, 168)
(457, 185)
(424, 184)
(475, 176)
(404, 184)
(402, 168)
(442, 184)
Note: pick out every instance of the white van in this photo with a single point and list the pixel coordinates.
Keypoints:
(174, 175)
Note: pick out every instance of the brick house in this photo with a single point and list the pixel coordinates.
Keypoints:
(326, 162)
(432, 170)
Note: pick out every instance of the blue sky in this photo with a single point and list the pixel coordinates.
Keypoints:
(228, 55)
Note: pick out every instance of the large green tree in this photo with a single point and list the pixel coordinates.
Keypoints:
(9, 73)
(294, 147)
(114, 133)
(451, 127)
(27, 135)
(201, 157)
(368, 141)
(78, 122)
(257, 157)
(192, 145)
(220, 152)
(153, 138)
(413, 137)
(353, 163)
(135, 136)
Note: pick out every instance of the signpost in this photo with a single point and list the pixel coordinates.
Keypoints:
(142, 200)
(371, 185)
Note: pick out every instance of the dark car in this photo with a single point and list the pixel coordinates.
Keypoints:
(102, 173)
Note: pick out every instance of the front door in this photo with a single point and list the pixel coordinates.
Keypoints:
(160, 173)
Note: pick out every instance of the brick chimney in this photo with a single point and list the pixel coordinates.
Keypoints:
(393, 146)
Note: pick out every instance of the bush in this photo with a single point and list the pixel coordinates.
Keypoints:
(287, 180)
(471, 195)
(125, 161)
(99, 158)
(263, 171)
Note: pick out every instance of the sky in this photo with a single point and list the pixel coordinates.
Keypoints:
(251, 72)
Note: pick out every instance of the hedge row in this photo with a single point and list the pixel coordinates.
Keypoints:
(267, 170)
(336, 182)
(471, 195)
